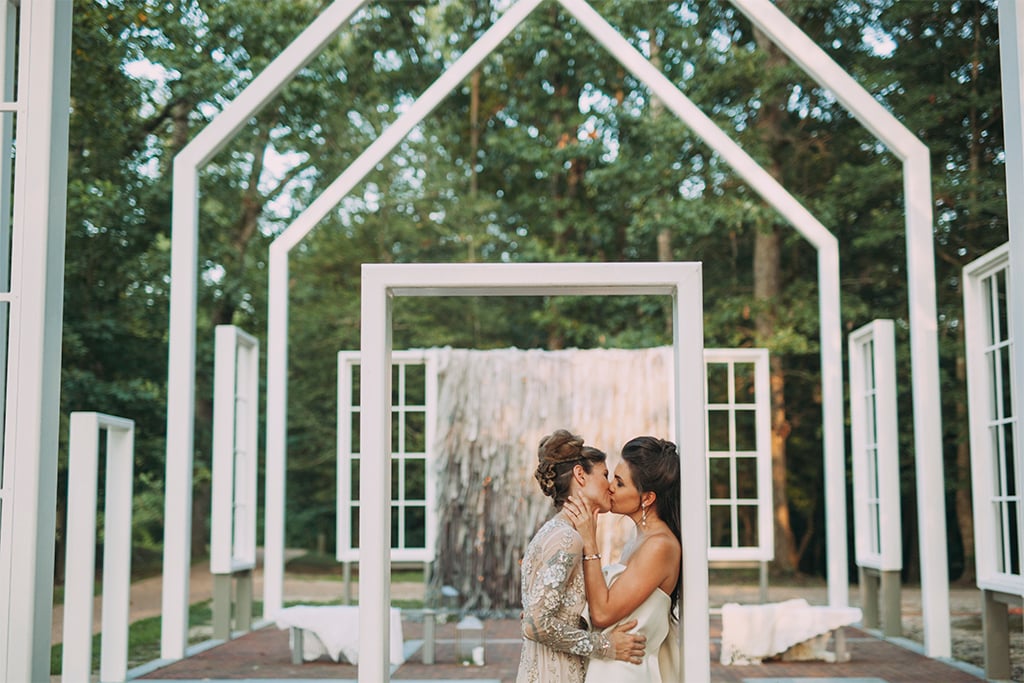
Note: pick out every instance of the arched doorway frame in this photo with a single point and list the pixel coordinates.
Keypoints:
(920, 266)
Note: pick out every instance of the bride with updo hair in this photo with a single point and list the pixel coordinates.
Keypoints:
(557, 642)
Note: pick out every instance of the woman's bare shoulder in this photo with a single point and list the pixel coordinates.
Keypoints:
(660, 543)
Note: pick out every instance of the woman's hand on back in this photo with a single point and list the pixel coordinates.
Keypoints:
(629, 647)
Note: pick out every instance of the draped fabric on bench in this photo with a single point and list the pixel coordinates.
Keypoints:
(751, 633)
(334, 631)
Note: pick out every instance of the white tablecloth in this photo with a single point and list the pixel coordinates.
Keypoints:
(334, 631)
(751, 633)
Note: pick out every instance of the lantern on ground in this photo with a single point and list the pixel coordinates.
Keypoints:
(469, 641)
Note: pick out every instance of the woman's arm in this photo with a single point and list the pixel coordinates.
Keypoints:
(647, 569)
(545, 623)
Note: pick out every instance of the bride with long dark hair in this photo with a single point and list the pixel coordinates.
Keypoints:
(643, 588)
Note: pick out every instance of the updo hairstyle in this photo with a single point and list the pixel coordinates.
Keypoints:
(557, 455)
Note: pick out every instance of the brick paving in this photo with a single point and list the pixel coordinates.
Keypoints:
(264, 654)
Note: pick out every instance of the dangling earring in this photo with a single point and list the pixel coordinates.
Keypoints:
(643, 515)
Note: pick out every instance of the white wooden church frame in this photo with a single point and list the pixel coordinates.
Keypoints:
(767, 18)
(875, 447)
(31, 380)
(381, 283)
(738, 436)
(996, 457)
(413, 418)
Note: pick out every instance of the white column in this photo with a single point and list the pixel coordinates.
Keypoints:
(924, 360)
(277, 422)
(832, 424)
(690, 402)
(83, 456)
(181, 370)
(375, 481)
(34, 356)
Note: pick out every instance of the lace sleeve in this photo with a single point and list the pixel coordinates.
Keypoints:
(545, 618)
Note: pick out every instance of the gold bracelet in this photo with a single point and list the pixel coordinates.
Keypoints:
(595, 556)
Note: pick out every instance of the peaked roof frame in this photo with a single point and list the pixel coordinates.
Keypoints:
(921, 282)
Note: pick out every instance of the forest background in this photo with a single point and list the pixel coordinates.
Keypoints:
(550, 151)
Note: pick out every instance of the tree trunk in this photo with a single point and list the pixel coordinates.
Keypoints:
(767, 246)
(767, 288)
(962, 492)
(962, 495)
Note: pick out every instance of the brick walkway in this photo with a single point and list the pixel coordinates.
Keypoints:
(264, 654)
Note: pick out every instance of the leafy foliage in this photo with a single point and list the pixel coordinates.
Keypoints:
(551, 151)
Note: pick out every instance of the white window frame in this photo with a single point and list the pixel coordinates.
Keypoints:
(347, 500)
(235, 450)
(985, 414)
(84, 442)
(875, 447)
(765, 549)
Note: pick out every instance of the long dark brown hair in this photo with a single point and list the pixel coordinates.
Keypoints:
(654, 466)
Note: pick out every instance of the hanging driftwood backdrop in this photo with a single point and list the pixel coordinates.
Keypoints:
(493, 409)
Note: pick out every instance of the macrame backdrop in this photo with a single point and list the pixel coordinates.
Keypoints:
(493, 409)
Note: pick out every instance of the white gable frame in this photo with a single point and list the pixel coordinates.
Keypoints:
(924, 343)
(920, 255)
(381, 283)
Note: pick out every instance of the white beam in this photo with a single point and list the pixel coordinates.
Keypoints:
(31, 424)
(182, 335)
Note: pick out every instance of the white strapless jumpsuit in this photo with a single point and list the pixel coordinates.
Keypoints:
(653, 622)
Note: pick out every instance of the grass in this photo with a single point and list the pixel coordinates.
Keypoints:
(143, 639)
